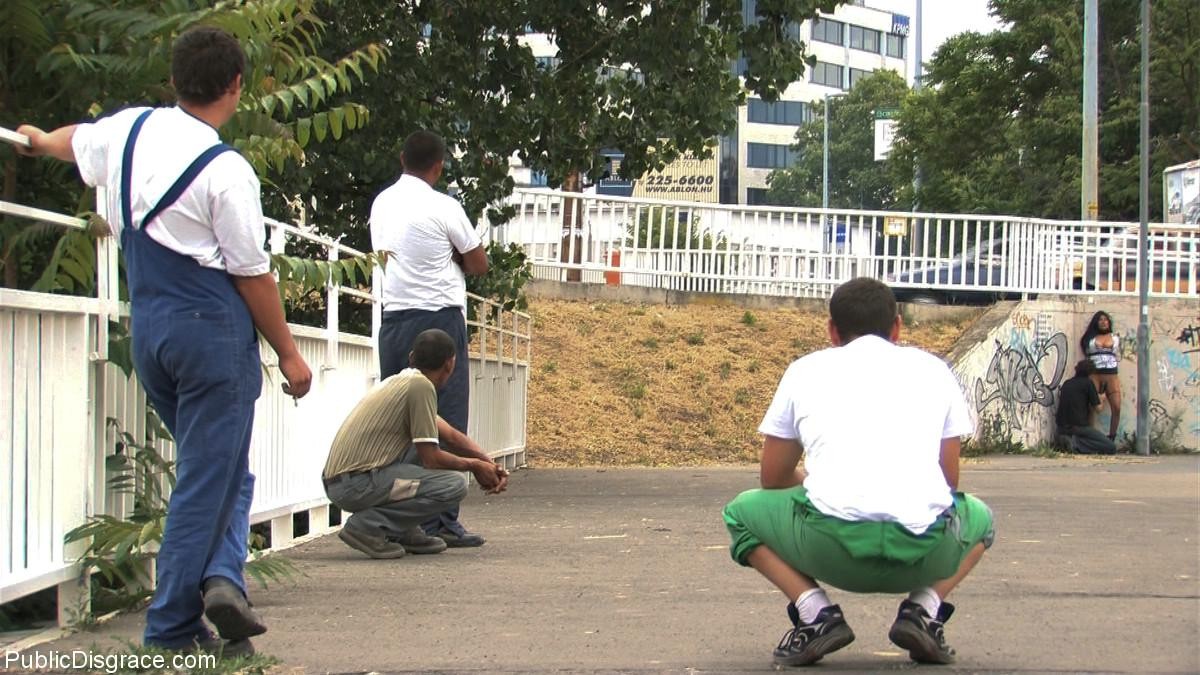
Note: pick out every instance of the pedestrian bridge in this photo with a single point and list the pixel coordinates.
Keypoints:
(67, 409)
(807, 252)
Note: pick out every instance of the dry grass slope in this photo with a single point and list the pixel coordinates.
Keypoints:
(651, 385)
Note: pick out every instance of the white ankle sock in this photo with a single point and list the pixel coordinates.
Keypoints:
(810, 603)
(927, 598)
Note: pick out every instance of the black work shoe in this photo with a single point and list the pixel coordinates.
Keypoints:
(226, 607)
(226, 649)
(416, 541)
(923, 636)
(375, 546)
(464, 540)
(808, 642)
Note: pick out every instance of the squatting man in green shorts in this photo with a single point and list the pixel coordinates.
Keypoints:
(385, 465)
(876, 508)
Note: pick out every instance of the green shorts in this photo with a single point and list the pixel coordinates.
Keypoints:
(862, 557)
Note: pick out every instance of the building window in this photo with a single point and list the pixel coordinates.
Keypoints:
(864, 39)
(769, 156)
(827, 74)
(758, 197)
(828, 30)
(895, 46)
(794, 113)
(857, 74)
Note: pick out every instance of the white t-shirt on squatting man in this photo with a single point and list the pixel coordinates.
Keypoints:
(421, 228)
(217, 220)
(871, 416)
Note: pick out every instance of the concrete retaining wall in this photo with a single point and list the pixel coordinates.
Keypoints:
(1013, 360)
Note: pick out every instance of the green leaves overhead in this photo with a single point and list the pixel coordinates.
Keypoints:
(651, 78)
(299, 277)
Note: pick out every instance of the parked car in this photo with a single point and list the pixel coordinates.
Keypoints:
(983, 270)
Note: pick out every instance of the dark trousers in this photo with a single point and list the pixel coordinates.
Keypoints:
(1088, 441)
(393, 498)
(396, 336)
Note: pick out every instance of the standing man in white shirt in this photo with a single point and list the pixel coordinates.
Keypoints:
(432, 245)
(876, 507)
(189, 217)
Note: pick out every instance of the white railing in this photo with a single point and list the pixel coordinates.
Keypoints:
(60, 398)
(807, 252)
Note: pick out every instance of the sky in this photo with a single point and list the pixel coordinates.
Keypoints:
(943, 18)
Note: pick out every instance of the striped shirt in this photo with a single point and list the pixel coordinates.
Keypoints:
(396, 412)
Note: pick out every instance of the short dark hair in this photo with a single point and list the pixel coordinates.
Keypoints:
(863, 306)
(1084, 368)
(432, 349)
(204, 63)
(422, 150)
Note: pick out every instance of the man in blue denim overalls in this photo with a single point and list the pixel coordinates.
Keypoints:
(190, 221)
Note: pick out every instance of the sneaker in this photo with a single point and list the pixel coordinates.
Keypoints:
(226, 607)
(808, 642)
(375, 546)
(923, 636)
(463, 540)
(416, 541)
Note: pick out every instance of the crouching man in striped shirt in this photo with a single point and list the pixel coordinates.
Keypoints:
(386, 466)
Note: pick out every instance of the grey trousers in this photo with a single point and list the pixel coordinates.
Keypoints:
(1088, 441)
(393, 499)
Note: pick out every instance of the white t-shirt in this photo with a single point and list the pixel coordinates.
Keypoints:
(421, 228)
(217, 220)
(871, 417)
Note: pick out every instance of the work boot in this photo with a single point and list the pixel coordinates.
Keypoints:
(923, 636)
(226, 607)
(414, 540)
(807, 643)
(374, 545)
(460, 540)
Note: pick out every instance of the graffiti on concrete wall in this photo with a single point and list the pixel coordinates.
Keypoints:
(1022, 377)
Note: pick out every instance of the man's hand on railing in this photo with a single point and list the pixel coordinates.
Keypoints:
(56, 144)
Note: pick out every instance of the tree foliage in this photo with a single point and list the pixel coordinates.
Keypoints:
(62, 62)
(652, 78)
(856, 180)
(998, 130)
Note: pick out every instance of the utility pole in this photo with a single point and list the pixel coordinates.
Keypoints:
(1089, 202)
(828, 224)
(1143, 332)
(918, 231)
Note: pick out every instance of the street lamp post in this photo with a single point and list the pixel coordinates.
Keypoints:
(827, 230)
(825, 154)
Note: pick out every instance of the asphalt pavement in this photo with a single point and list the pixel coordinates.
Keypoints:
(1096, 568)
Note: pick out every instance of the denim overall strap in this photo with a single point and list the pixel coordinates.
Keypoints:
(196, 354)
(177, 188)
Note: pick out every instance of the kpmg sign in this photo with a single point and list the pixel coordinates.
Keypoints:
(899, 24)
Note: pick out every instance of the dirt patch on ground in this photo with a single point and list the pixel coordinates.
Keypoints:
(651, 385)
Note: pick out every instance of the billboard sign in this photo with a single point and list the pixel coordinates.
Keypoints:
(688, 178)
(1181, 193)
(899, 24)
